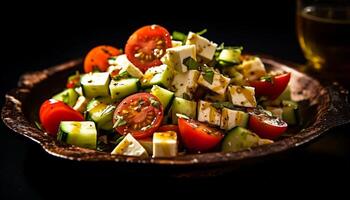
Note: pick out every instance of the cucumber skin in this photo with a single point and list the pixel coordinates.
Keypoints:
(63, 136)
(183, 106)
(163, 95)
(72, 96)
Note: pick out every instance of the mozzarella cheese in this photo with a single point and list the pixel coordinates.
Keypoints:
(129, 146)
(164, 144)
(219, 84)
(204, 47)
(253, 69)
(185, 84)
(232, 118)
(175, 56)
(242, 96)
(207, 113)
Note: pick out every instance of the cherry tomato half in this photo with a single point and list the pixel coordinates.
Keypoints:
(97, 58)
(272, 88)
(147, 46)
(52, 112)
(139, 114)
(197, 136)
(266, 126)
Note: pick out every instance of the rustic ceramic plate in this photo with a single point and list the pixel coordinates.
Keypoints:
(327, 107)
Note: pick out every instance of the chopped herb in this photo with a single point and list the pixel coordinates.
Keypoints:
(208, 75)
(38, 125)
(186, 96)
(179, 36)
(154, 102)
(112, 59)
(191, 63)
(108, 109)
(117, 141)
(202, 32)
(122, 75)
(221, 105)
(119, 121)
(267, 78)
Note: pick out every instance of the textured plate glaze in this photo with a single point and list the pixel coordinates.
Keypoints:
(329, 103)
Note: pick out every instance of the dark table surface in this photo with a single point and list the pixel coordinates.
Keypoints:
(33, 43)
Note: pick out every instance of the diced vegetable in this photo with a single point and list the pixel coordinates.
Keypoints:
(68, 96)
(160, 75)
(165, 96)
(95, 84)
(122, 88)
(183, 106)
(242, 96)
(129, 146)
(79, 133)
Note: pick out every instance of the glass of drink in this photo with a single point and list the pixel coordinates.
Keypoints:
(323, 28)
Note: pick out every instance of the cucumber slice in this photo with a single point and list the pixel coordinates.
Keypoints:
(160, 75)
(240, 138)
(95, 84)
(230, 55)
(122, 88)
(290, 112)
(82, 134)
(183, 106)
(165, 96)
(68, 96)
(101, 114)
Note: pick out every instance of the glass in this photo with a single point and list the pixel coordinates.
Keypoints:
(323, 28)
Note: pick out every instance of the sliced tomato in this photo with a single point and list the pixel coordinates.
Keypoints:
(52, 112)
(272, 87)
(97, 58)
(147, 46)
(198, 136)
(139, 114)
(265, 125)
(168, 127)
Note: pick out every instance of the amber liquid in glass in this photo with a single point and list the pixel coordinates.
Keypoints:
(324, 36)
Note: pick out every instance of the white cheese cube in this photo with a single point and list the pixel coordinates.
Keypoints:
(242, 96)
(185, 84)
(129, 146)
(232, 118)
(219, 84)
(122, 64)
(81, 104)
(175, 56)
(207, 113)
(164, 144)
(253, 69)
(175, 43)
(204, 47)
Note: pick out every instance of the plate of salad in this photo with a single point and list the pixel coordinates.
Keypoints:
(172, 99)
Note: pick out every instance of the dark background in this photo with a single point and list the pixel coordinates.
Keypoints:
(40, 36)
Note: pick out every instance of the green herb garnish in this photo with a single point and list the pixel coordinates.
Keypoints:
(177, 35)
(202, 32)
(208, 75)
(119, 121)
(191, 63)
(221, 105)
(154, 102)
(38, 125)
(122, 75)
(267, 78)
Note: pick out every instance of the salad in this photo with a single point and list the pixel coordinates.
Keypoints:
(166, 95)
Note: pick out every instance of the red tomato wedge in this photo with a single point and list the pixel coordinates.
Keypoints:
(139, 114)
(52, 112)
(272, 88)
(97, 58)
(265, 125)
(197, 136)
(147, 46)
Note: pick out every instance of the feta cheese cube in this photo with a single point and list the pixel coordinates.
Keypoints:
(122, 64)
(204, 47)
(207, 113)
(232, 118)
(219, 84)
(164, 144)
(129, 146)
(185, 84)
(176, 55)
(175, 43)
(242, 96)
(253, 69)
